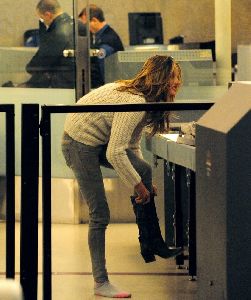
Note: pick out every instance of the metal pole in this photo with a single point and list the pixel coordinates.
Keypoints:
(126, 107)
(82, 57)
(10, 192)
(46, 198)
(29, 200)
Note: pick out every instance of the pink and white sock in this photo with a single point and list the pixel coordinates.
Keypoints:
(106, 289)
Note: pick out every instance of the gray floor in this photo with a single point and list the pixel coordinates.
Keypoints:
(71, 269)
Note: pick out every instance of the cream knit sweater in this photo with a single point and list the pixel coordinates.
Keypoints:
(120, 130)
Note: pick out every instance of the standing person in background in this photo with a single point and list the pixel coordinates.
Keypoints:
(113, 139)
(48, 67)
(103, 37)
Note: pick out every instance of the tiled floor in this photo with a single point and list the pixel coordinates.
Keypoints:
(71, 269)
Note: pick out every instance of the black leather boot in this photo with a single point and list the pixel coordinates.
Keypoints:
(144, 238)
(150, 238)
(158, 245)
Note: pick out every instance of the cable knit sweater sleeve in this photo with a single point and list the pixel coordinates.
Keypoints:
(124, 128)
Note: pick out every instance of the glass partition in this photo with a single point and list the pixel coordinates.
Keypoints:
(48, 48)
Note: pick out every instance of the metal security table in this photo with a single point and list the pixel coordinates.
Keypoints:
(180, 156)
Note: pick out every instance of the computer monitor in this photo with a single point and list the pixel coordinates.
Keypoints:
(145, 28)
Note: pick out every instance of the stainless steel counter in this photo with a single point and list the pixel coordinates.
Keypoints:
(180, 154)
(176, 195)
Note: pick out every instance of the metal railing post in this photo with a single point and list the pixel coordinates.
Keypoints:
(29, 200)
(9, 109)
(46, 198)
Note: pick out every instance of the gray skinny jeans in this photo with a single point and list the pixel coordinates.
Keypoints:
(85, 161)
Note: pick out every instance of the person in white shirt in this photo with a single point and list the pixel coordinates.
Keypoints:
(113, 139)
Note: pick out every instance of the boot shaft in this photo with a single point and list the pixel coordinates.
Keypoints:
(147, 219)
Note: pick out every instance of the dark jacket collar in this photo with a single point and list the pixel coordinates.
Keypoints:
(64, 17)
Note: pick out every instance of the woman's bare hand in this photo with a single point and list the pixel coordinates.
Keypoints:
(142, 192)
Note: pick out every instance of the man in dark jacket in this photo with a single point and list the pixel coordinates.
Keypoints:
(49, 67)
(104, 38)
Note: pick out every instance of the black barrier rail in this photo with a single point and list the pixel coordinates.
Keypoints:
(9, 109)
(174, 106)
(29, 200)
(45, 127)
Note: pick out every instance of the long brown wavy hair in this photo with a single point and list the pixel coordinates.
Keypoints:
(153, 81)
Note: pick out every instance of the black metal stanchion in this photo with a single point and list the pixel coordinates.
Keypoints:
(10, 188)
(29, 200)
(46, 198)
